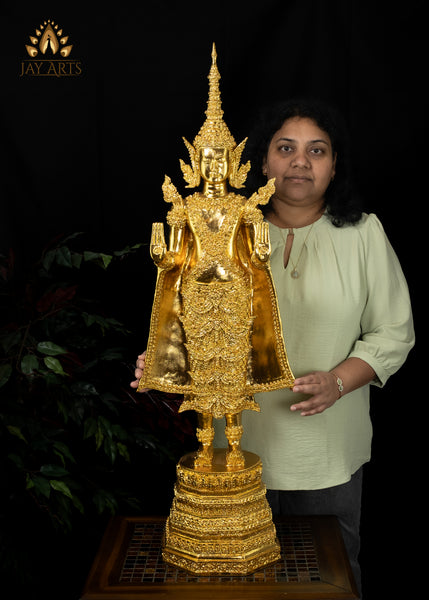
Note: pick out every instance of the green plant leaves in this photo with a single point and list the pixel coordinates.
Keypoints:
(29, 364)
(63, 452)
(105, 323)
(62, 487)
(100, 258)
(73, 429)
(51, 470)
(109, 436)
(5, 373)
(50, 348)
(16, 431)
(43, 485)
(105, 501)
(61, 256)
(54, 365)
(40, 484)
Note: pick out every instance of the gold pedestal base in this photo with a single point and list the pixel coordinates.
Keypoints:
(220, 521)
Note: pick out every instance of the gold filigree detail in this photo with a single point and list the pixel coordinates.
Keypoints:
(205, 455)
(224, 528)
(238, 173)
(216, 338)
(216, 317)
(191, 174)
(176, 216)
(214, 133)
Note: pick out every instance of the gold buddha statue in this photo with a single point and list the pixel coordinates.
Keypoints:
(215, 333)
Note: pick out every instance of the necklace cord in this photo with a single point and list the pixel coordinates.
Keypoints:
(294, 273)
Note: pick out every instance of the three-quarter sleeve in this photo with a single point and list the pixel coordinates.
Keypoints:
(387, 331)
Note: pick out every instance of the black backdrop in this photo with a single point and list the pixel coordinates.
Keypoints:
(89, 153)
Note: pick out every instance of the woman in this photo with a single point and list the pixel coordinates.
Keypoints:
(346, 317)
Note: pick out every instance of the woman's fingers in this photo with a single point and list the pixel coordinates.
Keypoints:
(138, 372)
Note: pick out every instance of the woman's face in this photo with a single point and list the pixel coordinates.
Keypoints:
(301, 158)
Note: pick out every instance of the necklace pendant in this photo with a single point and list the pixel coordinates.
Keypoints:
(294, 274)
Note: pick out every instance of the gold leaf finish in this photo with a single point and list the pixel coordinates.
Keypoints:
(216, 337)
(220, 521)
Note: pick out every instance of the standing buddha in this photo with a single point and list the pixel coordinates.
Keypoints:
(215, 334)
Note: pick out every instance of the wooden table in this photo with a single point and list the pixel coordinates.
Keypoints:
(313, 565)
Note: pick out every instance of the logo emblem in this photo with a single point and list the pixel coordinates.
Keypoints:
(49, 53)
(49, 38)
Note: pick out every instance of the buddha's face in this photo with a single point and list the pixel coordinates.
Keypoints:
(214, 164)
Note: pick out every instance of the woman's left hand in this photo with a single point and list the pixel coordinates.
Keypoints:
(323, 389)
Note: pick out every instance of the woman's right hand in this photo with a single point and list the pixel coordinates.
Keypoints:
(140, 365)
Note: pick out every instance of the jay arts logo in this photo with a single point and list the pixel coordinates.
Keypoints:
(49, 53)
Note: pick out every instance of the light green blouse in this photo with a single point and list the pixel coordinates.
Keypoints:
(351, 299)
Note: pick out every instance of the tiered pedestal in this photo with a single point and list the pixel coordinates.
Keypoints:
(220, 521)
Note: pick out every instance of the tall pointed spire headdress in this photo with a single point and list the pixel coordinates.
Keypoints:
(214, 133)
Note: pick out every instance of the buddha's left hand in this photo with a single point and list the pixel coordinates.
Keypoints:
(262, 241)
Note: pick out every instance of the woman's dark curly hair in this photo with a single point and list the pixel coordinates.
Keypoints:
(342, 203)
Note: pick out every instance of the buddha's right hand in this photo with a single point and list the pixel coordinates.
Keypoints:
(158, 248)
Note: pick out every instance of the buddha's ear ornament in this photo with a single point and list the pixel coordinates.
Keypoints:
(191, 174)
(214, 134)
(238, 173)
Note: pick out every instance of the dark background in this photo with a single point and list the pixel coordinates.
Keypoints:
(89, 153)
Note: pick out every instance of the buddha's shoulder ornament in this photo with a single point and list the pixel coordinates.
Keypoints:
(176, 215)
(252, 214)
